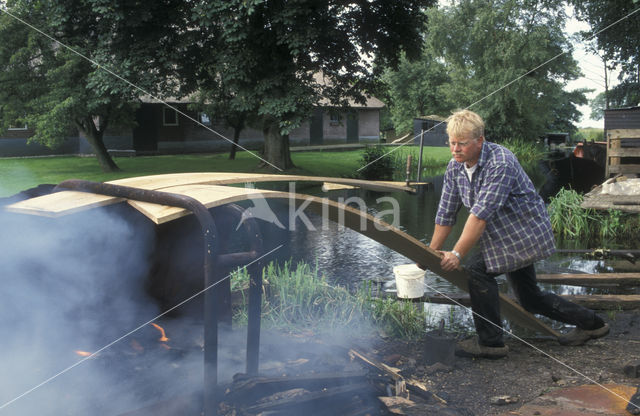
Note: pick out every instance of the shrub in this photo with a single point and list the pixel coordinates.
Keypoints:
(376, 165)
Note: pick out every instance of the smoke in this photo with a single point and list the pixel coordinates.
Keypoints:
(67, 284)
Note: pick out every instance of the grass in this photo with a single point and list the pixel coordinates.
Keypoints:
(23, 173)
(300, 299)
(570, 221)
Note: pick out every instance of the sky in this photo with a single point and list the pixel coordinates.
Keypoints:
(592, 70)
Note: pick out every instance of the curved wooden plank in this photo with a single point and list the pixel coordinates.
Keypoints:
(66, 202)
(359, 221)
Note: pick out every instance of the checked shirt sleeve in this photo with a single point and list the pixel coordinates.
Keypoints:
(450, 200)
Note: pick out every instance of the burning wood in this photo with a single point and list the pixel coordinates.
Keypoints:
(163, 337)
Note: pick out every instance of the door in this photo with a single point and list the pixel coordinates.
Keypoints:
(352, 127)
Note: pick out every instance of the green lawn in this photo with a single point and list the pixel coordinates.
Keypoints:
(23, 173)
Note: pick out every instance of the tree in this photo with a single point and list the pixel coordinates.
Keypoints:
(54, 90)
(415, 89)
(510, 64)
(280, 59)
(615, 25)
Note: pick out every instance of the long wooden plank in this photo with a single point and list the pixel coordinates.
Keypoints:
(625, 168)
(623, 133)
(600, 279)
(599, 302)
(66, 202)
(359, 221)
(625, 152)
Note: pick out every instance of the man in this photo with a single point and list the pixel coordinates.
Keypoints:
(509, 225)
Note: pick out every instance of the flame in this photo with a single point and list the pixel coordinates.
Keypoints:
(136, 346)
(163, 337)
(82, 353)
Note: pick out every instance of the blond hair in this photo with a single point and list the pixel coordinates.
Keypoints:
(465, 123)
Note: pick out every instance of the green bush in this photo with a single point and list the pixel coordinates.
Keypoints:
(376, 165)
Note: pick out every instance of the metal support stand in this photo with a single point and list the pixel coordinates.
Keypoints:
(420, 156)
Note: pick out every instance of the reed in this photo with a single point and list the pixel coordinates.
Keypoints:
(569, 220)
(299, 298)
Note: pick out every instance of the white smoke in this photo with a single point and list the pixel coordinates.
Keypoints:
(74, 283)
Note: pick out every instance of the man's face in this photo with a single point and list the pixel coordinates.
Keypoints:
(464, 149)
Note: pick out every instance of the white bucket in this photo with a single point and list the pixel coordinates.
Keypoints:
(409, 281)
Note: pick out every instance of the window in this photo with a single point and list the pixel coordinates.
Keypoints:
(169, 117)
(205, 119)
(334, 119)
(17, 127)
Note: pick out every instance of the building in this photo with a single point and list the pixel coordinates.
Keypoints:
(433, 130)
(163, 130)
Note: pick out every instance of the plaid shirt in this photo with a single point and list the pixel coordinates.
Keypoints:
(518, 230)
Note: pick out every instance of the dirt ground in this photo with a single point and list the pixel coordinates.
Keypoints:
(470, 385)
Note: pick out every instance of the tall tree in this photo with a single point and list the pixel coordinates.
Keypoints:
(615, 25)
(416, 88)
(280, 59)
(55, 90)
(511, 63)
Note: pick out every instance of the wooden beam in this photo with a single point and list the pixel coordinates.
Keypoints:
(625, 152)
(623, 133)
(600, 302)
(600, 279)
(67, 202)
(624, 168)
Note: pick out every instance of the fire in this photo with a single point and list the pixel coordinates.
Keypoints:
(82, 353)
(163, 337)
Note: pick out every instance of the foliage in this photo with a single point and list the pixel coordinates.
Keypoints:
(416, 88)
(279, 60)
(567, 218)
(570, 221)
(56, 91)
(299, 298)
(434, 162)
(529, 155)
(619, 44)
(590, 134)
(377, 164)
(527, 152)
(490, 65)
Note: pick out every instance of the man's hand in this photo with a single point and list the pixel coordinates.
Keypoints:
(449, 261)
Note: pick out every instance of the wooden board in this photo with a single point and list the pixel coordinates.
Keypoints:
(600, 279)
(359, 221)
(596, 200)
(66, 202)
(372, 227)
(599, 302)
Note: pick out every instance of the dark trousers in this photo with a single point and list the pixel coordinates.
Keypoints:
(483, 290)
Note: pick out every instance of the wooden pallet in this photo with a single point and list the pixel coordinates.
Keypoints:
(616, 153)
